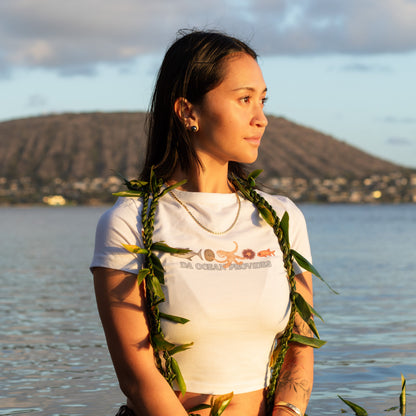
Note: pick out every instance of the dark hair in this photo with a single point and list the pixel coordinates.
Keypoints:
(193, 65)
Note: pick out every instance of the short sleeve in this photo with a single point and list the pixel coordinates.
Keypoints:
(120, 225)
(298, 233)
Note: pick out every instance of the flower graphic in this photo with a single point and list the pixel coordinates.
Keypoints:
(248, 254)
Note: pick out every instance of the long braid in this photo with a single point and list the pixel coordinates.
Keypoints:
(148, 218)
(283, 343)
(147, 235)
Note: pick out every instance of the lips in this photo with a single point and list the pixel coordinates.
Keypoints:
(254, 139)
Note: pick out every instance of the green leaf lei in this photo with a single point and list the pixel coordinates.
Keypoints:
(152, 273)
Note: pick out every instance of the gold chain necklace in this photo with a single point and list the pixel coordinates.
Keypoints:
(202, 225)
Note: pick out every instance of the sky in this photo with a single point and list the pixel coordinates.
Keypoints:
(344, 67)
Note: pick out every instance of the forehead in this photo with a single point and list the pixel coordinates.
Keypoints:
(242, 70)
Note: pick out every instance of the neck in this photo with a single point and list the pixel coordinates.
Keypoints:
(204, 180)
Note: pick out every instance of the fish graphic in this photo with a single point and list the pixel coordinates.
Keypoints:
(189, 255)
(266, 253)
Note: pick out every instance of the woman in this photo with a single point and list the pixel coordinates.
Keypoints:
(228, 276)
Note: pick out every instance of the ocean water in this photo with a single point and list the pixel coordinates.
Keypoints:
(368, 254)
(54, 360)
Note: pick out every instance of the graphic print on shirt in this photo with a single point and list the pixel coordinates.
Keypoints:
(266, 253)
(229, 256)
(226, 259)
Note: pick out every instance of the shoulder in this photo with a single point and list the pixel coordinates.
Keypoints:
(124, 210)
(123, 218)
(118, 226)
(125, 205)
(282, 204)
(297, 222)
(298, 233)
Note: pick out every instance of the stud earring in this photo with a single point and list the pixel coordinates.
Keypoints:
(194, 129)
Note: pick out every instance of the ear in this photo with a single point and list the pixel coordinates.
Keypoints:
(185, 111)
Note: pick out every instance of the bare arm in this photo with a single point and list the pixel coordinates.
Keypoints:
(121, 305)
(296, 377)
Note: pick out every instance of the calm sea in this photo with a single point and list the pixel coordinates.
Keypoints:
(53, 355)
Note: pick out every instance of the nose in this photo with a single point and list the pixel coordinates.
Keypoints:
(260, 118)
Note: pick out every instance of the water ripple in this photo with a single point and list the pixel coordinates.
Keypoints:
(55, 361)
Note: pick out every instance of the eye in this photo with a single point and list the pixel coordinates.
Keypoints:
(246, 99)
(264, 100)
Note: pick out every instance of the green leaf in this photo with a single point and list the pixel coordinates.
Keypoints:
(242, 189)
(266, 214)
(251, 178)
(255, 173)
(156, 288)
(403, 397)
(172, 187)
(220, 403)
(314, 329)
(304, 263)
(311, 342)
(304, 308)
(359, 411)
(161, 246)
(173, 318)
(179, 377)
(180, 348)
(305, 312)
(158, 268)
(135, 185)
(315, 313)
(134, 249)
(124, 179)
(161, 344)
(284, 225)
(135, 194)
(142, 275)
(275, 354)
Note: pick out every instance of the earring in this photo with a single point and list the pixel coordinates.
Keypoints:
(194, 129)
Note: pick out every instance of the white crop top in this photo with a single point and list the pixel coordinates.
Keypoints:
(233, 287)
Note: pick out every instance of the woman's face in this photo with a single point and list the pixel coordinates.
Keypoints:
(230, 118)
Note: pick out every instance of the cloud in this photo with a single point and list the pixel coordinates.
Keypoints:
(342, 26)
(36, 100)
(400, 141)
(397, 120)
(73, 37)
(360, 67)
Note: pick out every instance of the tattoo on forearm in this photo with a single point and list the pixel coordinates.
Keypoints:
(293, 376)
(300, 385)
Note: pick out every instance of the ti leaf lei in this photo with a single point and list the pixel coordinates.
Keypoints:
(152, 274)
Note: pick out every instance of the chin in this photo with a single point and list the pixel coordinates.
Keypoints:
(248, 159)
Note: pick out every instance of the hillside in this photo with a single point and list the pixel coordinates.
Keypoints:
(292, 150)
(75, 146)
